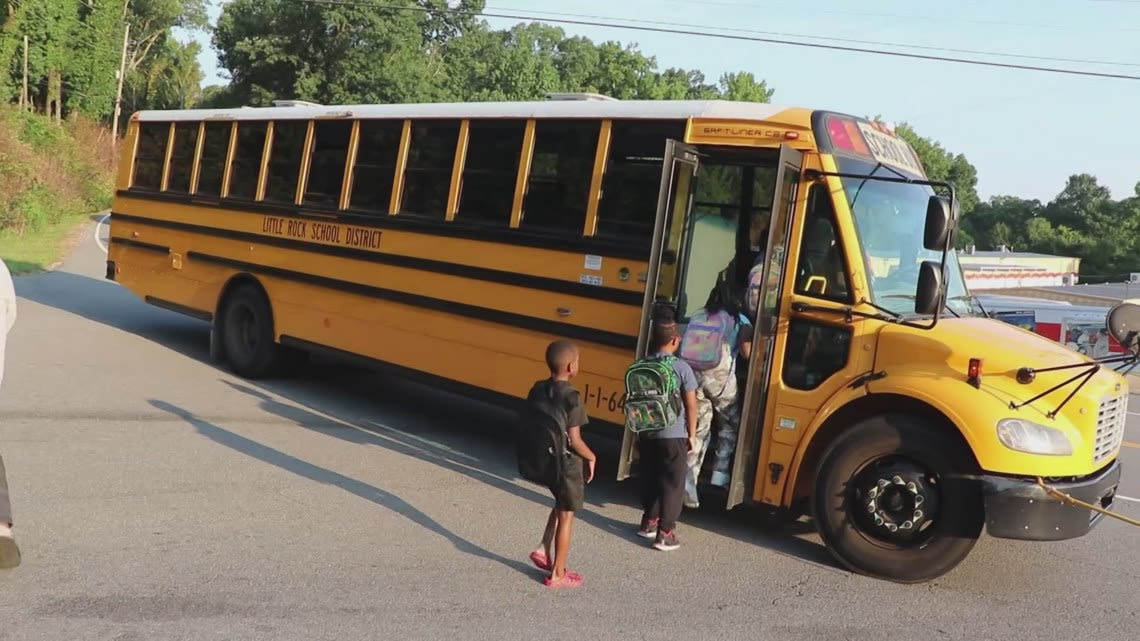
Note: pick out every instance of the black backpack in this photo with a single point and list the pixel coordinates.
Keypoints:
(540, 437)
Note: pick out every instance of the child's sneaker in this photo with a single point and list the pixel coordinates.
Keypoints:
(648, 528)
(666, 541)
(9, 551)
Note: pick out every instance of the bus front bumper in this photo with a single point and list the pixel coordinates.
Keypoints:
(1021, 509)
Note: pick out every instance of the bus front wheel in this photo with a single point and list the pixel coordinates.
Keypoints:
(247, 333)
(891, 501)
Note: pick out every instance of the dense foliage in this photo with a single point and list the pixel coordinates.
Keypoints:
(75, 49)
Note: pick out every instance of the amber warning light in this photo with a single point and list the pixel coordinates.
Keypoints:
(974, 373)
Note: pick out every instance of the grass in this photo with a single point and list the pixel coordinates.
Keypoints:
(53, 176)
(41, 248)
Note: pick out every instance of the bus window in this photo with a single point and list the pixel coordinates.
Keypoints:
(633, 178)
(822, 269)
(815, 352)
(487, 184)
(151, 155)
(182, 156)
(763, 187)
(374, 171)
(285, 155)
(211, 167)
(716, 214)
(246, 163)
(561, 168)
(326, 164)
(427, 178)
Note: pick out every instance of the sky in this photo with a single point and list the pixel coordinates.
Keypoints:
(1025, 131)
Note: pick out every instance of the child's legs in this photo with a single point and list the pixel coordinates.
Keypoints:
(728, 410)
(649, 464)
(719, 387)
(548, 533)
(565, 519)
(671, 480)
(5, 504)
(569, 499)
(696, 457)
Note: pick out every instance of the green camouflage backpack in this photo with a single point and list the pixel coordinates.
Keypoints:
(652, 394)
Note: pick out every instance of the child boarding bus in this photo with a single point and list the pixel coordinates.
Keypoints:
(426, 237)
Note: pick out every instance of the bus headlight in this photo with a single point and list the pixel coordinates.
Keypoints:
(1032, 438)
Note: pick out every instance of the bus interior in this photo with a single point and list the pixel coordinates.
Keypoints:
(718, 222)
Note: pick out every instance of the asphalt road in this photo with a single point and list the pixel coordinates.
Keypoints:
(159, 497)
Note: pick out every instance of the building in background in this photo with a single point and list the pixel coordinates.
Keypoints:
(1005, 269)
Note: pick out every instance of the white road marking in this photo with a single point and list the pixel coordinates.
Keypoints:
(99, 226)
(439, 446)
(1127, 498)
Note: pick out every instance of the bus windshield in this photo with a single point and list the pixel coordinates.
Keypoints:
(889, 220)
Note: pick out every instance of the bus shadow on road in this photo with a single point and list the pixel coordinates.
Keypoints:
(475, 444)
(103, 302)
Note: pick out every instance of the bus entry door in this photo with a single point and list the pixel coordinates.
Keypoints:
(674, 202)
(749, 440)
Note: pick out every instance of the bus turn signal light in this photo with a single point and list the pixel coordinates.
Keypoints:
(974, 373)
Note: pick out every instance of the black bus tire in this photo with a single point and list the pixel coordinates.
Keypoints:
(863, 487)
(247, 333)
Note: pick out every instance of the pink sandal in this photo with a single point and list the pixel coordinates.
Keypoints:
(540, 560)
(568, 580)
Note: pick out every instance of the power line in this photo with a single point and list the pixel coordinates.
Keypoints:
(910, 16)
(851, 40)
(726, 36)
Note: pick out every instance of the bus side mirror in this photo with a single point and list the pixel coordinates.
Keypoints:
(1123, 324)
(926, 298)
(941, 217)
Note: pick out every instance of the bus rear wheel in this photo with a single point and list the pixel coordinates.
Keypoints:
(247, 333)
(891, 501)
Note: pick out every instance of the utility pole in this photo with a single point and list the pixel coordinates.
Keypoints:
(119, 91)
(24, 98)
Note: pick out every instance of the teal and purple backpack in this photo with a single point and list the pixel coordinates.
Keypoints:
(705, 337)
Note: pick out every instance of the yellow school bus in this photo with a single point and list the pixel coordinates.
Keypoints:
(454, 241)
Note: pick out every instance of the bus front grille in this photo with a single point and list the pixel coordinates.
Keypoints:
(1110, 418)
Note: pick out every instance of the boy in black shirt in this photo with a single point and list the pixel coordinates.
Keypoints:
(562, 359)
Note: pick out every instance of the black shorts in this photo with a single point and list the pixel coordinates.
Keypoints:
(570, 495)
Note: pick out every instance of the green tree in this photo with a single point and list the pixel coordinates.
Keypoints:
(93, 62)
(335, 53)
(513, 64)
(74, 49)
(49, 26)
(170, 79)
(1108, 228)
(744, 86)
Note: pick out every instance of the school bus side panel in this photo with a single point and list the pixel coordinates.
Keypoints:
(461, 347)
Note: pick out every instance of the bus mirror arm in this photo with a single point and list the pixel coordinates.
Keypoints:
(849, 314)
